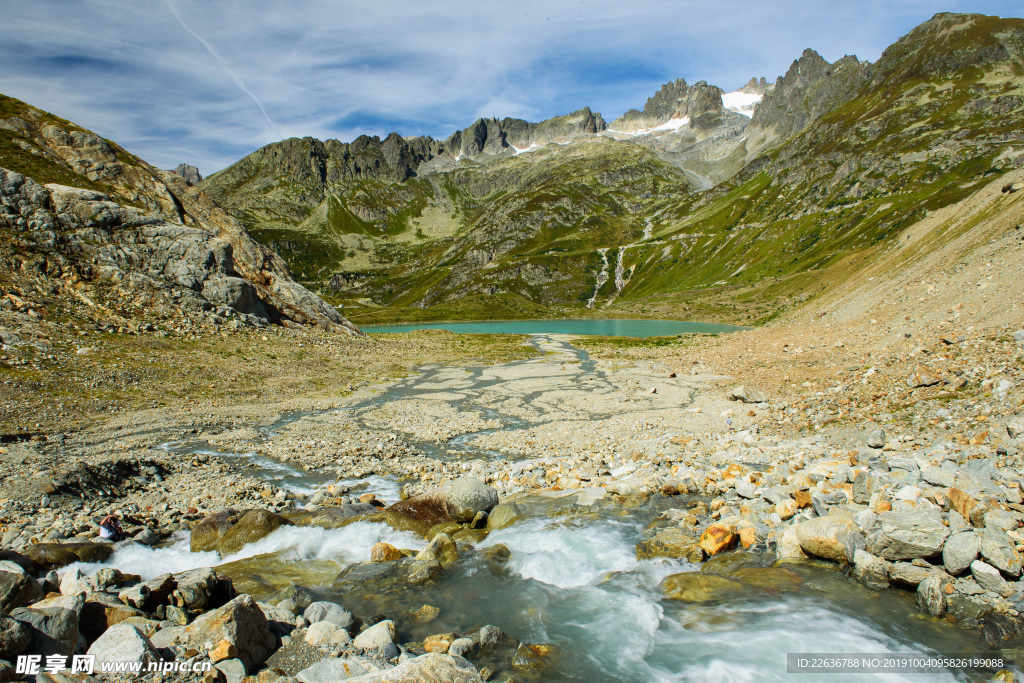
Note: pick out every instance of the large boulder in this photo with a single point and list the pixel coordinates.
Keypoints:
(671, 542)
(831, 538)
(55, 555)
(378, 640)
(999, 551)
(441, 550)
(330, 612)
(340, 669)
(699, 588)
(207, 532)
(469, 496)
(745, 394)
(503, 515)
(53, 629)
(420, 513)
(240, 622)
(14, 638)
(17, 588)
(429, 668)
(123, 643)
(906, 535)
(250, 527)
(960, 551)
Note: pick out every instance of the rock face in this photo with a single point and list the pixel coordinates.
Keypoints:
(190, 174)
(469, 496)
(242, 624)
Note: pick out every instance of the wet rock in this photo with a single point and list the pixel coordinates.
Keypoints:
(876, 439)
(1002, 630)
(671, 542)
(960, 550)
(329, 612)
(385, 552)
(379, 640)
(339, 669)
(241, 623)
(17, 588)
(998, 550)
(988, 577)
(831, 538)
(55, 555)
(931, 596)
(207, 532)
(719, 538)
(963, 607)
(461, 647)
(697, 587)
(14, 638)
(334, 517)
(746, 394)
(438, 642)
(123, 643)
(441, 550)
(420, 513)
(251, 527)
(503, 515)
(467, 497)
(870, 570)
(899, 535)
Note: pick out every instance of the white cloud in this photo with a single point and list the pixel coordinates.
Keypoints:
(223, 78)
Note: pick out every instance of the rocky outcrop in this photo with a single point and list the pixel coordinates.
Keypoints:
(190, 174)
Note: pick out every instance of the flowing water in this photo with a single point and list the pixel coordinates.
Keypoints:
(575, 326)
(571, 577)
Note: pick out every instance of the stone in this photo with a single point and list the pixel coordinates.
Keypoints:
(988, 577)
(17, 588)
(937, 476)
(438, 642)
(786, 508)
(905, 535)
(831, 538)
(961, 501)
(876, 439)
(931, 596)
(170, 636)
(207, 532)
(52, 630)
(55, 555)
(420, 513)
(223, 650)
(746, 490)
(123, 643)
(910, 575)
(441, 550)
(719, 538)
(429, 668)
(922, 377)
(379, 639)
(340, 669)
(460, 647)
(467, 497)
(695, 587)
(326, 633)
(328, 611)
(251, 527)
(870, 570)
(671, 542)
(746, 394)
(1000, 519)
(73, 582)
(864, 485)
(240, 622)
(503, 515)
(232, 670)
(961, 606)
(999, 551)
(385, 552)
(788, 547)
(14, 638)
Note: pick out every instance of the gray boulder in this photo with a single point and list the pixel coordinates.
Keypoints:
(429, 668)
(467, 497)
(17, 588)
(52, 630)
(899, 535)
(123, 643)
(240, 622)
(378, 640)
(831, 538)
(988, 577)
(960, 550)
(328, 611)
(864, 485)
(503, 515)
(931, 596)
(340, 669)
(14, 638)
(870, 570)
(877, 439)
(998, 550)
(233, 670)
(936, 476)
(745, 394)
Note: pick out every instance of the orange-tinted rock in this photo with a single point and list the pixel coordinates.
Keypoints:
(719, 538)
(439, 642)
(802, 498)
(385, 552)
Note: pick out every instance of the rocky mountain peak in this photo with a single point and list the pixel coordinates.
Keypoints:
(757, 86)
(189, 173)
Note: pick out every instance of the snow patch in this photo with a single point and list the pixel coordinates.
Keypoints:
(533, 147)
(741, 102)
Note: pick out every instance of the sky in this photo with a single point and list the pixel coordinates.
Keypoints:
(206, 82)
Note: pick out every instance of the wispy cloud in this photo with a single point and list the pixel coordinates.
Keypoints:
(208, 82)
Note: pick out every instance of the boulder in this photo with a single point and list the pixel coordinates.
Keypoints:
(831, 538)
(469, 496)
(102, 611)
(905, 535)
(123, 643)
(52, 630)
(330, 612)
(745, 394)
(999, 551)
(695, 587)
(17, 588)
(207, 532)
(931, 596)
(870, 570)
(340, 669)
(232, 670)
(240, 622)
(960, 550)
(503, 515)
(379, 640)
(864, 486)
(876, 439)
(910, 575)
(420, 513)
(671, 542)
(441, 550)
(385, 552)
(937, 476)
(250, 527)
(326, 633)
(719, 538)
(55, 555)
(429, 668)
(14, 638)
(988, 577)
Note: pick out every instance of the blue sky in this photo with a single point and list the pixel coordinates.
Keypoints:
(207, 82)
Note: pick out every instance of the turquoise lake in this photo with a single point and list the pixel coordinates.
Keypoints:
(610, 328)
